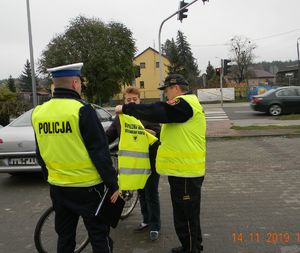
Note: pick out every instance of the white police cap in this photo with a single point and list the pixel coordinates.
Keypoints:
(66, 70)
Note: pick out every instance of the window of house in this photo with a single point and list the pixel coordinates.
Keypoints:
(157, 64)
(142, 65)
(142, 84)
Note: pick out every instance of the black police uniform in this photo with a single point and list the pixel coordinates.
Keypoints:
(184, 210)
(71, 202)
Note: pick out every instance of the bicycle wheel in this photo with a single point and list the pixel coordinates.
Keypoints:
(131, 198)
(45, 237)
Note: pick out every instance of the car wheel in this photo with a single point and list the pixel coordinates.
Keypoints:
(275, 110)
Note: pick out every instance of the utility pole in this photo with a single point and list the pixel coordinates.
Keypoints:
(221, 81)
(298, 61)
(33, 83)
(159, 42)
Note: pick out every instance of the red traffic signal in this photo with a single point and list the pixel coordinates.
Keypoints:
(218, 71)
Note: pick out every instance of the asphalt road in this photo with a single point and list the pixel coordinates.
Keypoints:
(250, 203)
(244, 112)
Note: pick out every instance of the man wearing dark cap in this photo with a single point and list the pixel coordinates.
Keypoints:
(72, 150)
(181, 155)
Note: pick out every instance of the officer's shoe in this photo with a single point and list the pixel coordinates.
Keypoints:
(181, 250)
(154, 235)
(141, 227)
(177, 250)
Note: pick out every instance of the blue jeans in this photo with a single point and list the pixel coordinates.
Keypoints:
(149, 201)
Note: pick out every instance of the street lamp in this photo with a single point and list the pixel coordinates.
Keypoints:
(298, 60)
(34, 97)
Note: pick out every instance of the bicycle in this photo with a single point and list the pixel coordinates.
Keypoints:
(45, 237)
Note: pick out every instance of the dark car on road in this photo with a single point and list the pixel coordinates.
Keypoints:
(282, 100)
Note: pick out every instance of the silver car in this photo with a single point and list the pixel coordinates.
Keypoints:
(17, 144)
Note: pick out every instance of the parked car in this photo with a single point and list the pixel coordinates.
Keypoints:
(278, 101)
(17, 144)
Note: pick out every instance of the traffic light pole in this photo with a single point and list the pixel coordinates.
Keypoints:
(221, 81)
(159, 45)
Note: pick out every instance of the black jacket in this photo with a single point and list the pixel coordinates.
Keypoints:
(175, 111)
(94, 138)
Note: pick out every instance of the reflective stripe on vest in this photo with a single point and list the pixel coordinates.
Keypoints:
(183, 147)
(61, 144)
(133, 154)
(133, 158)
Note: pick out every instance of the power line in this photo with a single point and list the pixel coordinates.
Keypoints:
(262, 38)
(277, 35)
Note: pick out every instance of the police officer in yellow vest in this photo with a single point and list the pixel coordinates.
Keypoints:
(181, 155)
(73, 152)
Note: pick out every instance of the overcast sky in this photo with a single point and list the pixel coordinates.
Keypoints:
(274, 25)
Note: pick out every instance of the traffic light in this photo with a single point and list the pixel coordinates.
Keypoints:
(227, 67)
(181, 14)
(218, 71)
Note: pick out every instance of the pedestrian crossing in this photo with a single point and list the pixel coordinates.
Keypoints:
(215, 114)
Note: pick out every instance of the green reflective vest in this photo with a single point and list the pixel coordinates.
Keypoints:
(183, 147)
(133, 159)
(56, 127)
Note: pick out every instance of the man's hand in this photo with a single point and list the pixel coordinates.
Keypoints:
(114, 197)
(118, 109)
(150, 131)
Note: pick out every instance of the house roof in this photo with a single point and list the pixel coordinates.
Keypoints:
(150, 48)
(286, 69)
(259, 73)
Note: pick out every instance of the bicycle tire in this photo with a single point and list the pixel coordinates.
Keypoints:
(131, 198)
(45, 237)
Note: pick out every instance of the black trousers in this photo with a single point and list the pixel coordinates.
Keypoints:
(69, 204)
(186, 198)
(149, 201)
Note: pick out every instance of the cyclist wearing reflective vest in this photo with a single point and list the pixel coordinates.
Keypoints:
(181, 155)
(72, 150)
(133, 159)
(149, 195)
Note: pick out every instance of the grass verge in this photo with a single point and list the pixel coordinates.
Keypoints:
(265, 127)
(288, 117)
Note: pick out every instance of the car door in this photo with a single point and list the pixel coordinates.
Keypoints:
(298, 100)
(289, 99)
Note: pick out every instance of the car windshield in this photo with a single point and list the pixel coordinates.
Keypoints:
(23, 121)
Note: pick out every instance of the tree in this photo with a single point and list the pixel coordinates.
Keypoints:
(25, 78)
(186, 59)
(242, 54)
(11, 84)
(6, 104)
(210, 71)
(171, 51)
(107, 51)
(181, 58)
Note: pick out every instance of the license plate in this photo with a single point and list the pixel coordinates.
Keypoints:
(22, 161)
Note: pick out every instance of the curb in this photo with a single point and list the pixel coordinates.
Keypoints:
(257, 133)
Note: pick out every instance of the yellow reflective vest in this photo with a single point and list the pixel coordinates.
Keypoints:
(56, 127)
(133, 159)
(183, 145)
